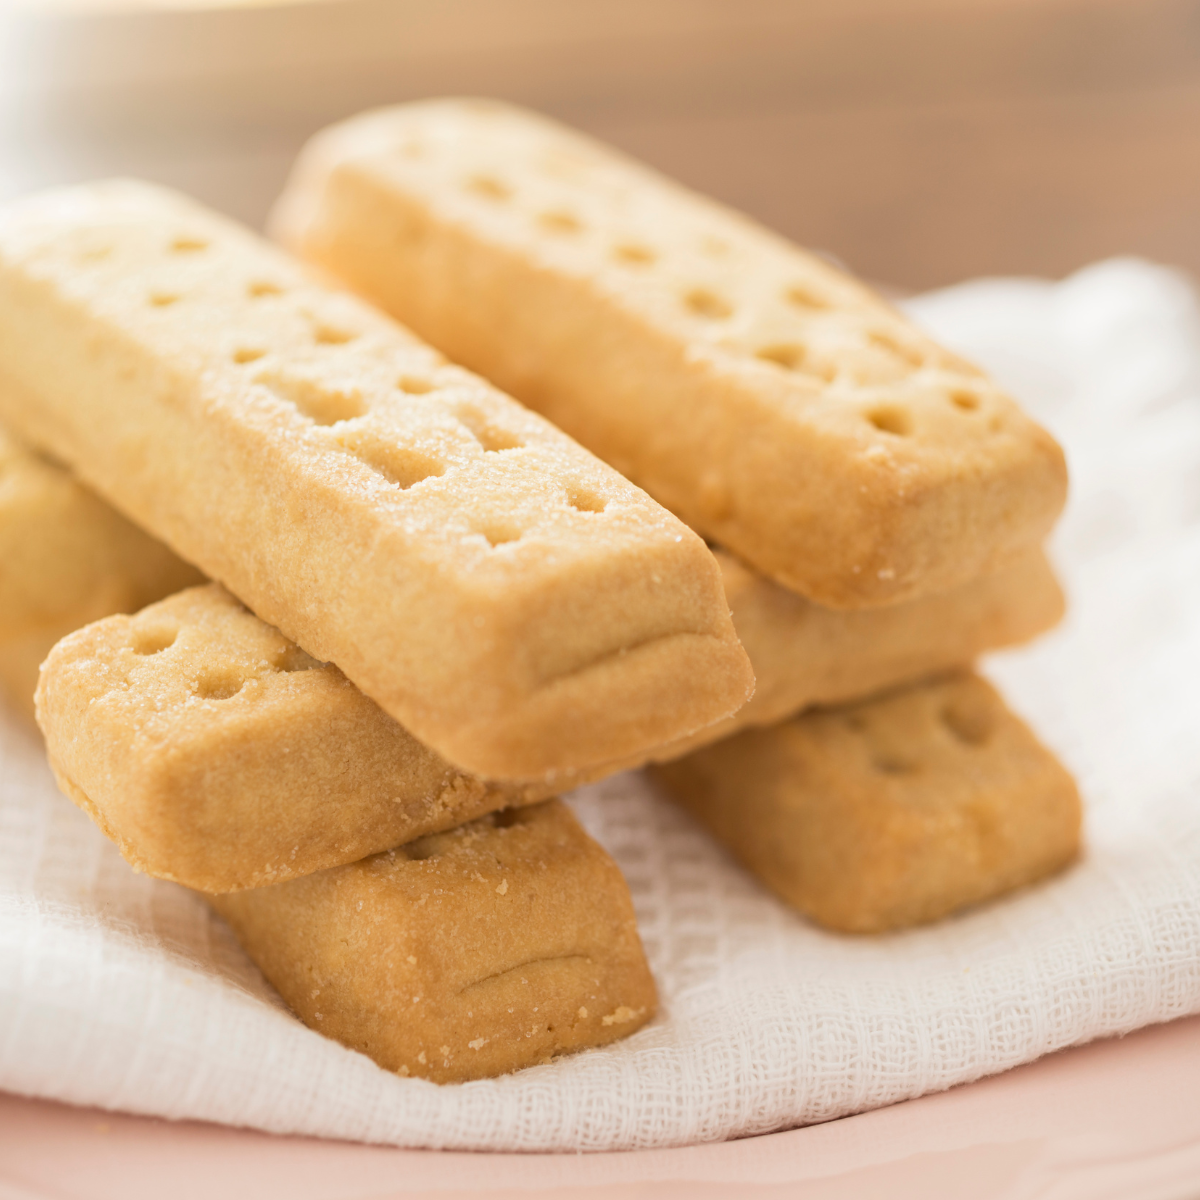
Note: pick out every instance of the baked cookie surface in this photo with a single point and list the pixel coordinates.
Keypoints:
(515, 603)
(218, 754)
(773, 402)
(467, 954)
(804, 654)
(891, 812)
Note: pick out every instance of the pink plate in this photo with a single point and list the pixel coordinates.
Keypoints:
(1116, 1120)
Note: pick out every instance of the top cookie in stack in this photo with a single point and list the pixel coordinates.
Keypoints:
(771, 401)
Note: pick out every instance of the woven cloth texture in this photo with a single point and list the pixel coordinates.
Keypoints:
(124, 992)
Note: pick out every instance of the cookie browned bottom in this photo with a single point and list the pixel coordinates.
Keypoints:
(805, 655)
(468, 954)
(890, 812)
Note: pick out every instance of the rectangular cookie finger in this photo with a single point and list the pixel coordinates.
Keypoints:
(890, 812)
(218, 754)
(773, 402)
(804, 654)
(519, 606)
(66, 558)
(464, 955)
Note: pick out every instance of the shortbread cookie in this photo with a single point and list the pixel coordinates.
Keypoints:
(891, 812)
(777, 405)
(516, 604)
(467, 954)
(804, 654)
(216, 753)
(66, 558)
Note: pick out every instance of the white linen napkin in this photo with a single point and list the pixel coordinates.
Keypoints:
(124, 992)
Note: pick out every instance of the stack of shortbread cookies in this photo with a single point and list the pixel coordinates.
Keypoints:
(881, 501)
(434, 610)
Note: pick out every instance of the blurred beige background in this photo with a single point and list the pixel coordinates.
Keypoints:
(921, 141)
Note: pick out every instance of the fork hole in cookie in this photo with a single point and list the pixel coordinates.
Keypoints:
(499, 533)
(491, 436)
(584, 500)
(705, 303)
(219, 683)
(793, 357)
(332, 335)
(967, 401)
(969, 724)
(890, 419)
(560, 221)
(324, 407)
(634, 255)
(248, 354)
(154, 639)
(318, 402)
(186, 244)
(489, 187)
(401, 467)
(802, 297)
(259, 289)
(788, 357)
(909, 355)
(163, 299)
(414, 385)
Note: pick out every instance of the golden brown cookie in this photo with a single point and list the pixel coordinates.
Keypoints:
(890, 812)
(515, 603)
(804, 654)
(464, 955)
(66, 558)
(216, 753)
(777, 405)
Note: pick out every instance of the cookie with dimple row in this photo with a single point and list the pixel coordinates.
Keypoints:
(519, 606)
(467, 954)
(776, 404)
(218, 754)
(66, 558)
(802, 653)
(890, 812)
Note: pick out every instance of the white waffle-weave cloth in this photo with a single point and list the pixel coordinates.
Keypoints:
(124, 992)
